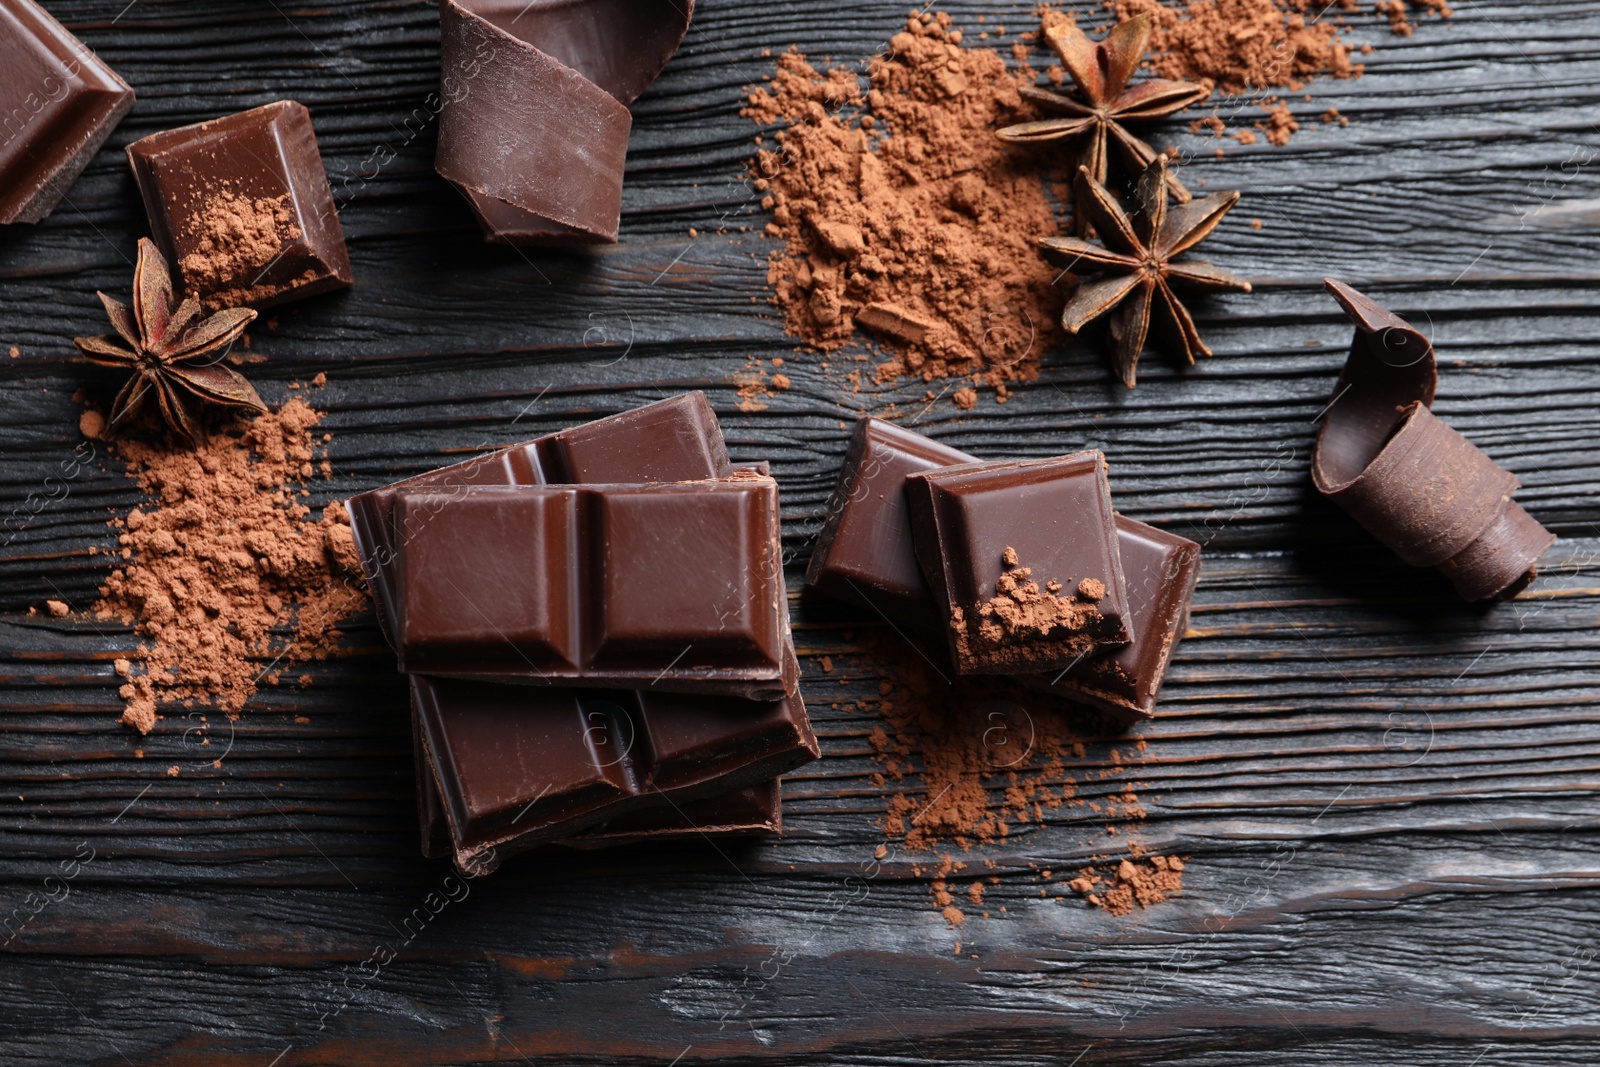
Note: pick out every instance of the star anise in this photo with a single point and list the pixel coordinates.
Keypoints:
(1101, 71)
(171, 355)
(1137, 264)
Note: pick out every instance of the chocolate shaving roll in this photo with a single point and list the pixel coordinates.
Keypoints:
(1415, 484)
(533, 121)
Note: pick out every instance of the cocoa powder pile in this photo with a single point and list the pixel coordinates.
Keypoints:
(225, 573)
(238, 238)
(1021, 616)
(901, 213)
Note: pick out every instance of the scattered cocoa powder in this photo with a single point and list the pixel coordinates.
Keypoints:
(224, 562)
(989, 759)
(901, 213)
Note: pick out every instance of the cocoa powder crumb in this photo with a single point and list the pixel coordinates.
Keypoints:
(220, 551)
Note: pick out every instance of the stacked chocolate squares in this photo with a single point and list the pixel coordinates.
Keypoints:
(597, 635)
(1022, 567)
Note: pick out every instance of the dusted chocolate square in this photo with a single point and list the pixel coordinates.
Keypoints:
(514, 611)
(1023, 561)
(58, 104)
(241, 207)
(1161, 569)
(687, 577)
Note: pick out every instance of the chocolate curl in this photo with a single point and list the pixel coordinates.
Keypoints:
(533, 121)
(1415, 484)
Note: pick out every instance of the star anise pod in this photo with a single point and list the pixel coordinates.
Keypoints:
(1101, 71)
(172, 356)
(1137, 264)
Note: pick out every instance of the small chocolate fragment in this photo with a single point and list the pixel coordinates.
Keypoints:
(517, 767)
(1426, 492)
(241, 206)
(676, 586)
(534, 124)
(1022, 558)
(58, 104)
(672, 440)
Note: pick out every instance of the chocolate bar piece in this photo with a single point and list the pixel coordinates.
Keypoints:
(753, 811)
(1426, 492)
(1023, 562)
(1160, 569)
(518, 766)
(865, 554)
(750, 812)
(534, 123)
(676, 586)
(58, 104)
(672, 440)
(241, 206)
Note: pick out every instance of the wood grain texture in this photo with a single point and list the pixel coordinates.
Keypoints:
(1389, 800)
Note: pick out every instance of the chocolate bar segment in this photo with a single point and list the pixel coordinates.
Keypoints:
(672, 440)
(675, 586)
(1160, 569)
(1023, 562)
(867, 540)
(864, 551)
(241, 206)
(58, 104)
(521, 766)
(1426, 492)
(751, 812)
(534, 124)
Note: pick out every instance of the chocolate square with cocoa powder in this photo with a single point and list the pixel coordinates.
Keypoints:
(242, 209)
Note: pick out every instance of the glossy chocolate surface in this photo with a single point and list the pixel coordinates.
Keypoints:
(674, 585)
(672, 440)
(534, 125)
(266, 157)
(867, 540)
(521, 766)
(864, 552)
(1055, 513)
(58, 104)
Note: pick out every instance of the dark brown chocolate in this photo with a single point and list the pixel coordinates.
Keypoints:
(1161, 570)
(518, 766)
(991, 535)
(864, 552)
(672, 440)
(675, 586)
(534, 124)
(865, 555)
(1433, 497)
(241, 207)
(58, 104)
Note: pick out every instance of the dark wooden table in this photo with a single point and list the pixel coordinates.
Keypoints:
(1388, 798)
